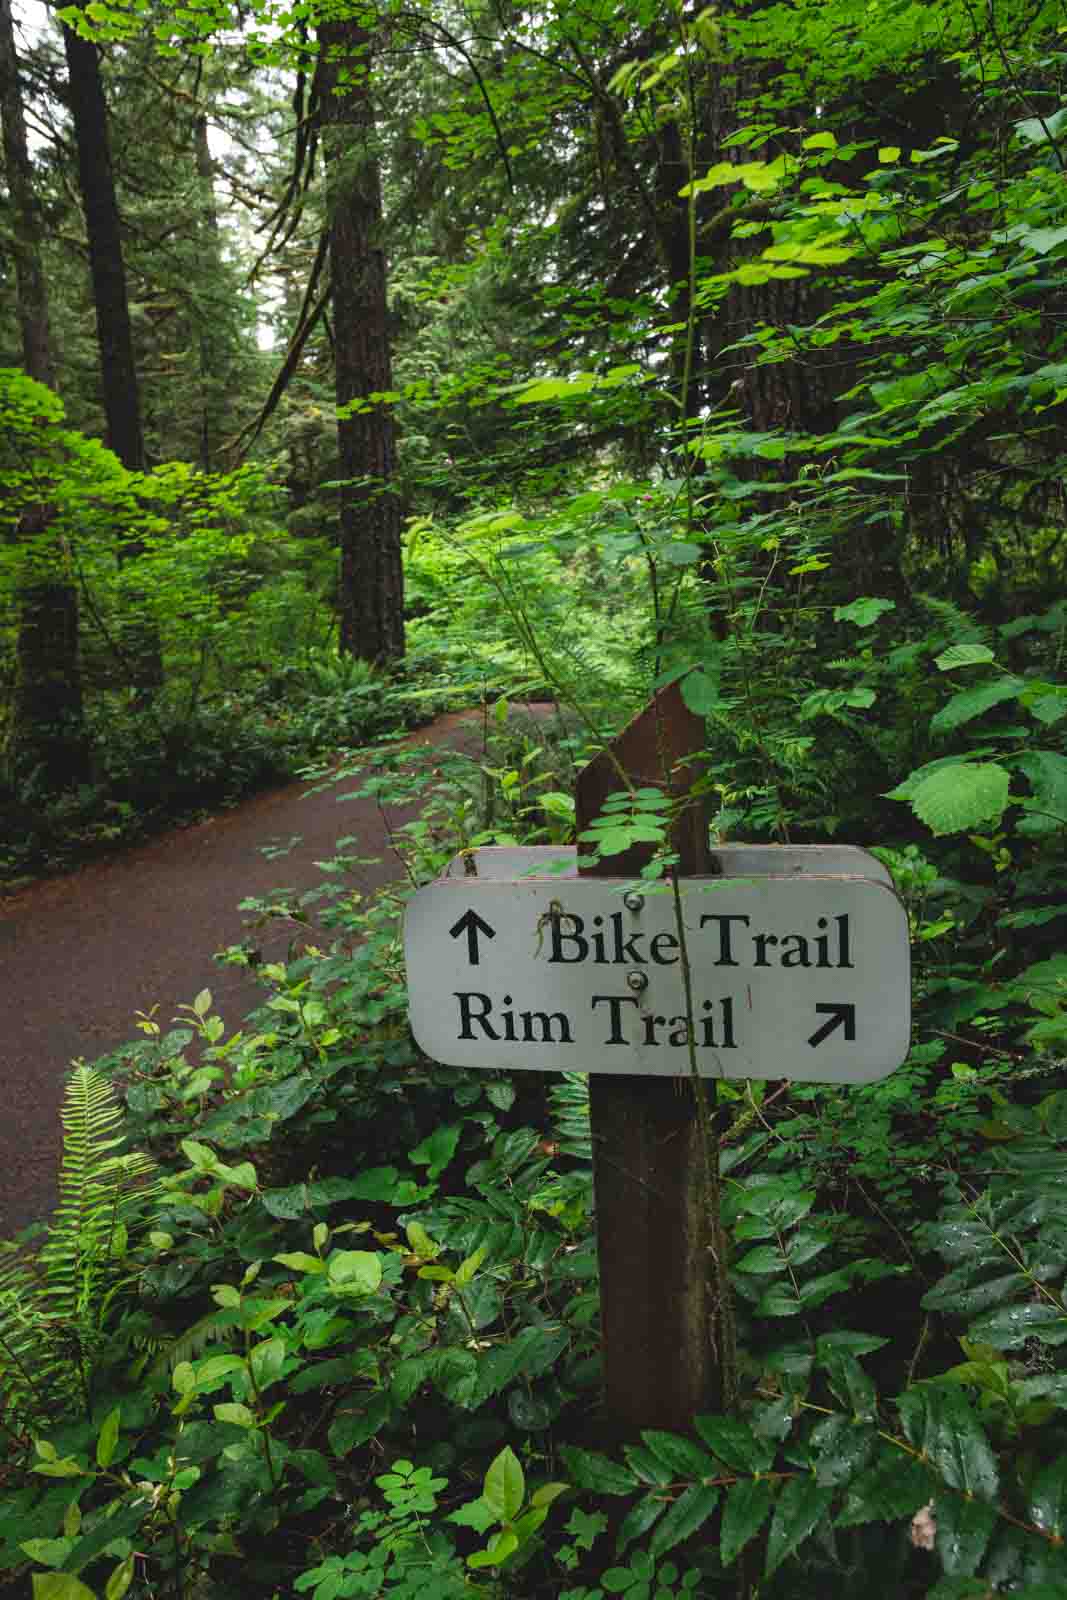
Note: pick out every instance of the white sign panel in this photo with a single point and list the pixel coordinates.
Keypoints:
(733, 860)
(801, 977)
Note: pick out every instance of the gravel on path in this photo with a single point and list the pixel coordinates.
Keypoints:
(79, 955)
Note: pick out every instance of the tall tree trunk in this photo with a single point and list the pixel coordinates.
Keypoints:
(48, 722)
(118, 372)
(372, 582)
(210, 337)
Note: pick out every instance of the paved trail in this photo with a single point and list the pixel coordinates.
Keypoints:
(80, 954)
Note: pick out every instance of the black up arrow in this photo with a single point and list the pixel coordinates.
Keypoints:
(471, 924)
(839, 1016)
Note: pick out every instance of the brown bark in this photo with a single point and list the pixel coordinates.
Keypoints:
(103, 230)
(47, 715)
(372, 583)
(141, 655)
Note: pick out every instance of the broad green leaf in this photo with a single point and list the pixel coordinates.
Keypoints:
(120, 1579)
(267, 1360)
(67, 1467)
(501, 1545)
(688, 1513)
(1048, 1499)
(354, 1427)
(963, 655)
(765, 1258)
(680, 553)
(744, 1512)
(598, 1473)
(300, 1261)
(863, 612)
(801, 1505)
(505, 1486)
(962, 796)
(437, 1150)
(231, 1411)
(681, 1456)
(108, 1438)
(735, 1444)
(971, 703)
(940, 1423)
(49, 1552)
(964, 1526)
(700, 691)
(1012, 1326)
(895, 1486)
(640, 1518)
(60, 1586)
(845, 1446)
(1047, 772)
(354, 1271)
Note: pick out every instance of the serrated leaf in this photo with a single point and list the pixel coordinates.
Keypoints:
(1048, 1499)
(1011, 1326)
(801, 1505)
(680, 1456)
(591, 1470)
(864, 611)
(1047, 773)
(640, 1518)
(844, 1447)
(744, 1511)
(894, 1487)
(765, 1258)
(351, 1428)
(505, 1486)
(970, 703)
(949, 1295)
(963, 1530)
(941, 1425)
(735, 1444)
(963, 655)
(437, 1150)
(688, 1513)
(962, 796)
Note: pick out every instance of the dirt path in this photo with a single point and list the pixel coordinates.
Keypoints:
(79, 955)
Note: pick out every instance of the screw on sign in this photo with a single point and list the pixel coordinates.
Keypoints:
(806, 977)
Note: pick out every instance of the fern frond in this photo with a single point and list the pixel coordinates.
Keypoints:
(53, 1305)
(188, 1345)
(958, 626)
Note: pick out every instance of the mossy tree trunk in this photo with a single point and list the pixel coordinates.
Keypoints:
(47, 731)
(372, 584)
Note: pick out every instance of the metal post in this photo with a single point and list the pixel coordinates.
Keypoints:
(652, 1228)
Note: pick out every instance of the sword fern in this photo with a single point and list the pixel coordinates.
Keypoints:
(55, 1303)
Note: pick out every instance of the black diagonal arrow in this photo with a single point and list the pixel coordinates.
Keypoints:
(840, 1016)
(472, 925)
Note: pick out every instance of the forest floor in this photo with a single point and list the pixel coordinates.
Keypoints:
(79, 955)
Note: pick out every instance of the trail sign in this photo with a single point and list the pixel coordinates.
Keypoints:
(728, 860)
(804, 977)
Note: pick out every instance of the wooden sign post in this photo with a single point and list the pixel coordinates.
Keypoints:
(792, 956)
(656, 1300)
